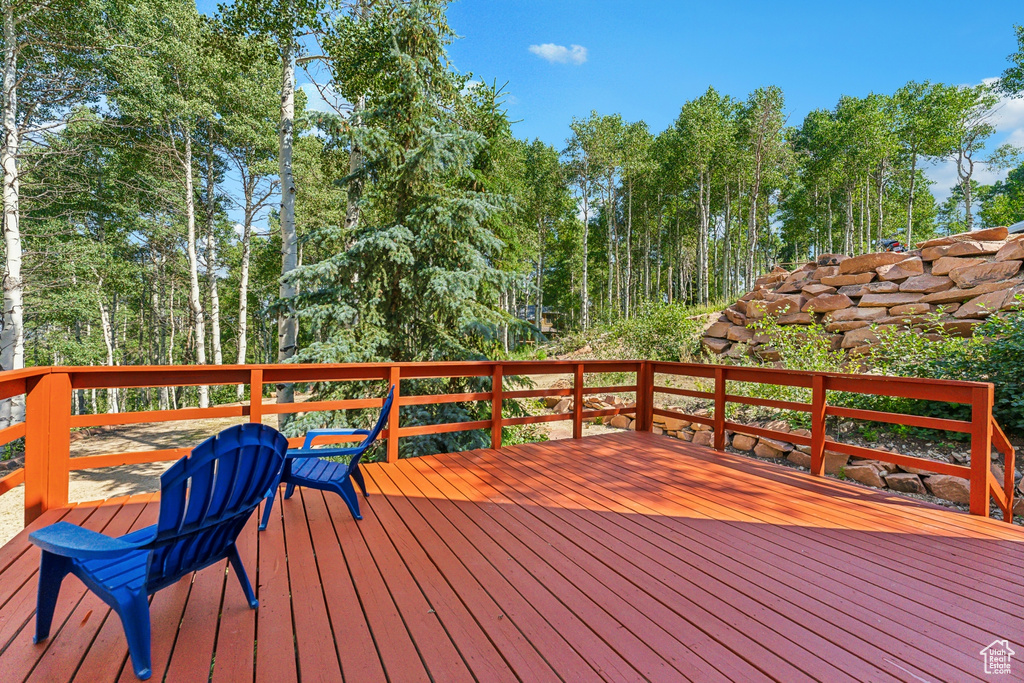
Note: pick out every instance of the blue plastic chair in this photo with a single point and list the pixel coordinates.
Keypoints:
(306, 467)
(206, 499)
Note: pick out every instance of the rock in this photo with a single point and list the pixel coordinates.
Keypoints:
(936, 242)
(825, 271)
(879, 288)
(900, 271)
(735, 317)
(960, 328)
(699, 427)
(989, 234)
(948, 487)
(848, 325)
(970, 276)
(844, 280)
(868, 262)
(551, 401)
(563, 406)
(864, 335)
(739, 334)
(1013, 249)
(704, 439)
(827, 302)
(892, 299)
(795, 319)
(982, 306)
(905, 482)
(834, 462)
(685, 435)
(743, 442)
(715, 345)
(904, 320)
(799, 458)
(778, 426)
(957, 294)
(717, 330)
(947, 263)
(831, 259)
(657, 430)
(909, 309)
(768, 353)
(934, 253)
(770, 448)
(675, 424)
(619, 422)
(866, 472)
(926, 284)
(818, 289)
(973, 248)
(857, 313)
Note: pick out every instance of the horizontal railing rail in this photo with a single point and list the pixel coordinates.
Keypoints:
(985, 432)
(49, 420)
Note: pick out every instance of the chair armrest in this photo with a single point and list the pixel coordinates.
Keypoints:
(70, 540)
(313, 433)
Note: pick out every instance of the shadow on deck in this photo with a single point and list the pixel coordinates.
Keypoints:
(620, 557)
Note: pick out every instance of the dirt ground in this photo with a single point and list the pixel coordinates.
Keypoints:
(110, 482)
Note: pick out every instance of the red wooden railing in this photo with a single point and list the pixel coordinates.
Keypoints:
(49, 420)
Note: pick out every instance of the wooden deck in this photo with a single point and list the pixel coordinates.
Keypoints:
(618, 557)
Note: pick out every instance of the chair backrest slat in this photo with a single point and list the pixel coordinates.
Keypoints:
(207, 497)
(382, 420)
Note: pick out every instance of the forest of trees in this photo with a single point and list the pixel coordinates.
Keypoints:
(411, 223)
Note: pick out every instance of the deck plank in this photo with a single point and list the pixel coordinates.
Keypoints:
(625, 556)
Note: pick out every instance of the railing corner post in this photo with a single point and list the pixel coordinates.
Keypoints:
(818, 407)
(256, 395)
(719, 416)
(394, 379)
(47, 443)
(981, 449)
(496, 406)
(577, 402)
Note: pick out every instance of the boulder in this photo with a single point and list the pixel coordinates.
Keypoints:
(551, 401)
(956, 294)
(848, 325)
(770, 448)
(970, 276)
(715, 345)
(619, 422)
(989, 234)
(926, 284)
(795, 319)
(900, 271)
(685, 435)
(818, 289)
(717, 330)
(735, 317)
(982, 306)
(737, 333)
(869, 262)
(1012, 250)
(890, 299)
(959, 328)
(704, 439)
(825, 271)
(866, 472)
(879, 288)
(905, 482)
(948, 487)
(778, 426)
(563, 406)
(973, 248)
(947, 263)
(909, 309)
(864, 335)
(675, 424)
(934, 253)
(834, 462)
(827, 302)
(700, 427)
(857, 313)
(936, 242)
(831, 259)
(851, 279)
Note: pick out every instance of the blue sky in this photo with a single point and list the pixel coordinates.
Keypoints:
(643, 59)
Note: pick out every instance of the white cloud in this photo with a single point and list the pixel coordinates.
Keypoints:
(575, 54)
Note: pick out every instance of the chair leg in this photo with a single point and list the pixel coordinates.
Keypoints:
(357, 474)
(268, 506)
(348, 494)
(243, 578)
(52, 570)
(289, 490)
(134, 611)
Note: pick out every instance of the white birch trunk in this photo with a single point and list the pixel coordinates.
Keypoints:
(108, 341)
(287, 325)
(211, 266)
(12, 338)
(243, 291)
(194, 299)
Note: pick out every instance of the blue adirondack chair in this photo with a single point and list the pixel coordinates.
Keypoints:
(206, 499)
(306, 467)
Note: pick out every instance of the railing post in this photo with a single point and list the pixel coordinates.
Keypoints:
(47, 443)
(256, 396)
(719, 409)
(818, 405)
(644, 398)
(577, 402)
(496, 376)
(394, 379)
(981, 449)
